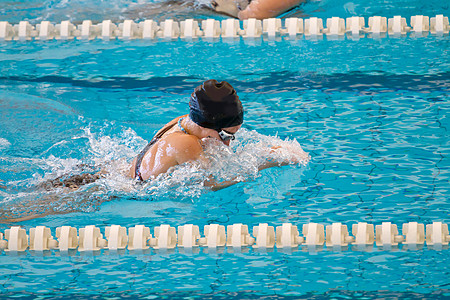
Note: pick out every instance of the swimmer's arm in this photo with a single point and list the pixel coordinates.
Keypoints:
(132, 170)
(269, 163)
(196, 153)
(263, 9)
(216, 186)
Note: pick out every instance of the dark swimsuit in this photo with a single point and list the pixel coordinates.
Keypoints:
(144, 151)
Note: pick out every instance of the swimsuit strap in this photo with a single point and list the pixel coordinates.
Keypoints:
(145, 150)
(180, 126)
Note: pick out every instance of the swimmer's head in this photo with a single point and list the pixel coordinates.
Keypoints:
(229, 7)
(216, 106)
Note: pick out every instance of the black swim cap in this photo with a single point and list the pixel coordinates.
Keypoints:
(215, 105)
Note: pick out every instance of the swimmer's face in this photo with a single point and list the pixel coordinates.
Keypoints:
(211, 133)
(229, 7)
(229, 130)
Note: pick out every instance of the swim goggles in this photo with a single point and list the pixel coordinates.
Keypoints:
(226, 136)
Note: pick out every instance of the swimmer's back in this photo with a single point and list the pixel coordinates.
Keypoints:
(172, 148)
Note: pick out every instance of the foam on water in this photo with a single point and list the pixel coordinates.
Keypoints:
(105, 148)
(4, 143)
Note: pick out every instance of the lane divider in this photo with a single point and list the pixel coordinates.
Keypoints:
(312, 28)
(236, 236)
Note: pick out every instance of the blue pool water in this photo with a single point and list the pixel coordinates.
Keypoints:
(372, 114)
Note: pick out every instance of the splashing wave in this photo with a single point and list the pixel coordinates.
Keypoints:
(107, 150)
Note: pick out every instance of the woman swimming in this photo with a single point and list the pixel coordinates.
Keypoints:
(215, 112)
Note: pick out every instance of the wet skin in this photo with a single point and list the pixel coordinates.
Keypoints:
(176, 147)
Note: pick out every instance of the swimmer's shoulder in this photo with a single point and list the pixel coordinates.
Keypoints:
(188, 147)
(182, 140)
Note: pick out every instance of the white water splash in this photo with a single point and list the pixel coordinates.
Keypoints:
(110, 149)
(239, 162)
(4, 143)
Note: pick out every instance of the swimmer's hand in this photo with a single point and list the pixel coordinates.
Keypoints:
(229, 7)
(296, 156)
(263, 9)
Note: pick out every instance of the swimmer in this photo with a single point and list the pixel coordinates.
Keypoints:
(216, 115)
(215, 112)
(258, 9)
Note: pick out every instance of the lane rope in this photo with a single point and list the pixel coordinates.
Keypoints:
(313, 28)
(286, 237)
